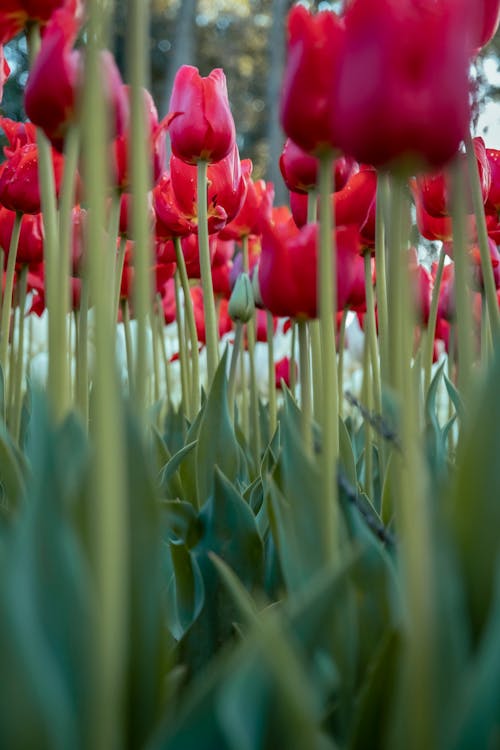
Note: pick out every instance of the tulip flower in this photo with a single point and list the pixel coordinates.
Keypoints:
(225, 324)
(308, 100)
(202, 128)
(282, 372)
(19, 186)
(54, 83)
(255, 209)
(225, 195)
(489, 16)
(403, 91)
(16, 14)
(300, 170)
(30, 246)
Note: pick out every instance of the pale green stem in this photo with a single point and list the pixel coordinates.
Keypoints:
(341, 361)
(206, 274)
(2, 262)
(128, 343)
(17, 383)
(431, 325)
(251, 336)
(109, 494)
(367, 391)
(327, 306)
(271, 373)
(118, 273)
(183, 361)
(482, 236)
(191, 323)
(235, 355)
(244, 410)
(82, 367)
(293, 347)
(462, 278)
(371, 332)
(61, 298)
(7, 295)
(160, 323)
(381, 274)
(305, 386)
(140, 170)
(410, 490)
(314, 331)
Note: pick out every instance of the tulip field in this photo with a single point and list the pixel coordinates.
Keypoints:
(249, 490)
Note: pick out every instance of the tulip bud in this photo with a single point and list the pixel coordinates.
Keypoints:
(241, 302)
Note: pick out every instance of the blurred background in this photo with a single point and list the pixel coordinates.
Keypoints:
(247, 39)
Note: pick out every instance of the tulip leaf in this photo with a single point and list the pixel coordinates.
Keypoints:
(186, 590)
(473, 506)
(170, 482)
(11, 471)
(217, 444)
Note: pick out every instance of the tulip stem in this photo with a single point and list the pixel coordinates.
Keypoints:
(231, 389)
(254, 398)
(206, 273)
(327, 288)
(341, 361)
(160, 325)
(305, 386)
(82, 374)
(381, 211)
(482, 236)
(63, 271)
(462, 274)
(118, 273)
(191, 324)
(17, 383)
(292, 358)
(431, 325)
(7, 294)
(372, 334)
(314, 330)
(271, 373)
(367, 390)
(183, 360)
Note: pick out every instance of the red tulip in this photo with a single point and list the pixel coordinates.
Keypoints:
(489, 13)
(403, 83)
(202, 128)
(30, 247)
(225, 194)
(17, 133)
(225, 324)
(19, 186)
(16, 14)
(300, 170)
(255, 210)
(282, 372)
(308, 99)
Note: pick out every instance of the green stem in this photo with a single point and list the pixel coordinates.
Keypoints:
(160, 325)
(292, 357)
(382, 210)
(82, 367)
(327, 306)
(206, 274)
(431, 325)
(7, 295)
(367, 391)
(371, 332)
(191, 323)
(254, 398)
(140, 170)
(341, 361)
(109, 493)
(118, 273)
(482, 236)
(462, 274)
(17, 383)
(128, 343)
(315, 335)
(231, 389)
(271, 374)
(305, 386)
(61, 299)
(183, 361)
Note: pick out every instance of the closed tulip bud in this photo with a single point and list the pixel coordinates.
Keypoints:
(17, 14)
(19, 184)
(308, 99)
(403, 88)
(203, 126)
(241, 303)
(489, 15)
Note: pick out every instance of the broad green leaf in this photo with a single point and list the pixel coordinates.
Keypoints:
(217, 444)
(186, 591)
(473, 506)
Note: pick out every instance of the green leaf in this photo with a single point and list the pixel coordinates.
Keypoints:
(12, 470)
(186, 591)
(170, 481)
(346, 454)
(473, 506)
(217, 444)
